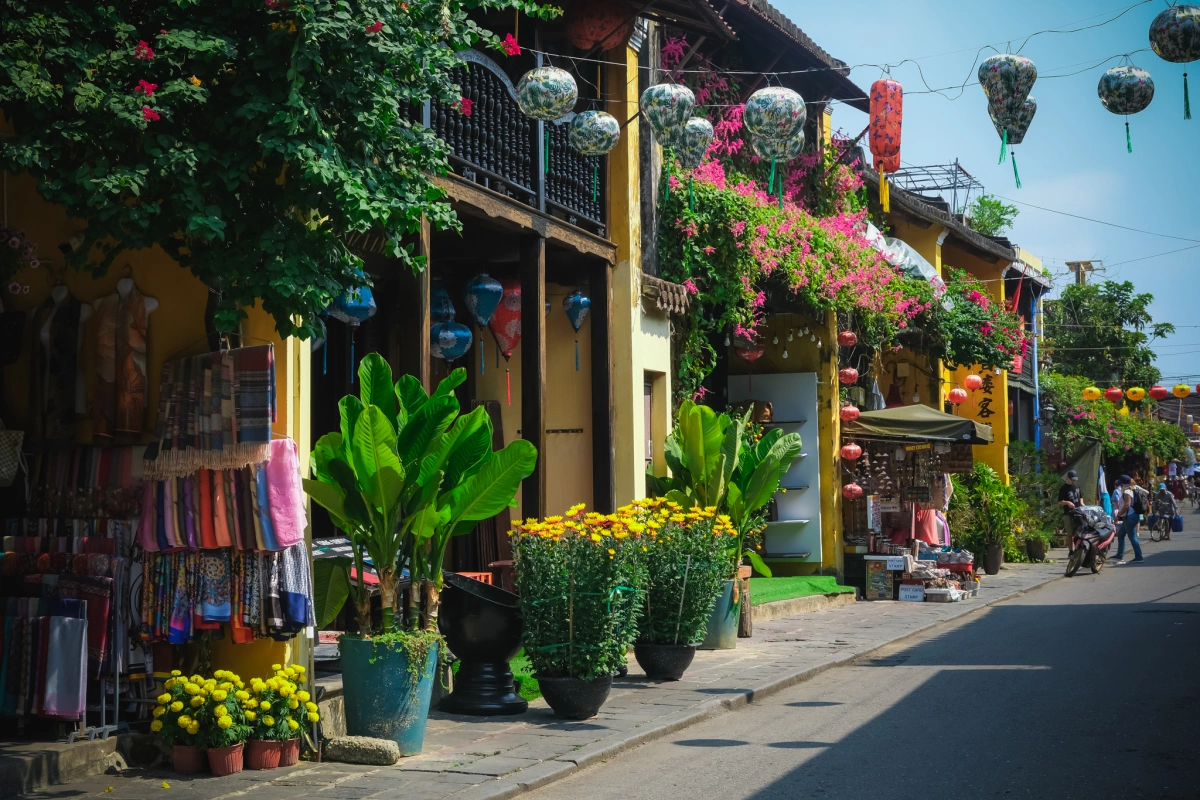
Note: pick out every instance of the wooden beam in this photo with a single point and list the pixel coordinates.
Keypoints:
(408, 336)
(533, 368)
(604, 446)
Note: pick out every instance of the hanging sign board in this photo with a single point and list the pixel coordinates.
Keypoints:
(916, 494)
(916, 448)
(889, 505)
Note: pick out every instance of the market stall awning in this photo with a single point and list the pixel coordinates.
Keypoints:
(918, 422)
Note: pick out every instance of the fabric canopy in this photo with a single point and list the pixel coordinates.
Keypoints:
(919, 422)
(1087, 463)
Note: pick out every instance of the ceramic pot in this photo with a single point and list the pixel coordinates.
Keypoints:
(482, 626)
(721, 633)
(664, 662)
(993, 558)
(187, 759)
(572, 698)
(382, 700)
(225, 760)
(290, 753)
(263, 754)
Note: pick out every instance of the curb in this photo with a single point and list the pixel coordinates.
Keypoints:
(799, 605)
(548, 772)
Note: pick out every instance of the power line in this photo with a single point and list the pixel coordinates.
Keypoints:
(1098, 221)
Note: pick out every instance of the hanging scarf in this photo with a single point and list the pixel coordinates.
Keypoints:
(220, 511)
(130, 364)
(286, 494)
(215, 586)
(104, 397)
(52, 389)
(295, 588)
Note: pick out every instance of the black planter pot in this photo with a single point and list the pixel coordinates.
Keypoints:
(664, 662)
(572, 698)
(482, 626)
(993, 558)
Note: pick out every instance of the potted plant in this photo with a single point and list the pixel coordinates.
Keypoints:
(267, 710)
(175, 723)
(996, 507)
(404, 474)
(686, 566)
(578, 580)
(714, 464)
(1037, 543)
(223, 724)
(300, 710)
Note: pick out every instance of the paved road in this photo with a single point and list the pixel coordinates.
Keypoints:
(1088, 687)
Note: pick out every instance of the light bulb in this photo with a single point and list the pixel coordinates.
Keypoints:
(775, 339)
(812, 338)
(727, 340)
(805, 331)
(789, 334)
(818, 342)
(785, 352)
(916, 397)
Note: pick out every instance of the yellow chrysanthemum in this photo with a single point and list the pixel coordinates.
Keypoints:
(273, 683)
(225, 723)
(219, 695)
(159, 711)
(313, 716)
(177, 706)
(597, 537)
(220, 711)
(251, 716)
(164, 698)
(612, 552)
(293, 704)
(243, 696)
(219, 674)
(194, 728)
(197, 701)
(310, 706)
(169, 683)
(303, 696)
(175, 673)
(293, 725)
(196, 679)
(276, 666)
(183, 721)
(156, 726)
(264, 705)
(269, 722)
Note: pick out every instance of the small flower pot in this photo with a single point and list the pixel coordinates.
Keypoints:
(224, 761)
(993, 557)
(664, 662)
(262, 754)
(290, 753)
(572, 698)
(187, 759)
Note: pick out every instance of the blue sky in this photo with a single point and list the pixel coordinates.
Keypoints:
(1073, 158)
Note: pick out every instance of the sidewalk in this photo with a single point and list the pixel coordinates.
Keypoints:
(470, 758)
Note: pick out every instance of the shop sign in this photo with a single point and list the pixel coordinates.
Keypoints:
(889, 505)
(895, 563)
(912, 594)
(916, 448)
(879, 581)
(916, 494)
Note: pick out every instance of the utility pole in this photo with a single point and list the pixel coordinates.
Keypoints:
(1082, 268)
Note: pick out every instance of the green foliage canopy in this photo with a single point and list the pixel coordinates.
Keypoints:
(990, 215)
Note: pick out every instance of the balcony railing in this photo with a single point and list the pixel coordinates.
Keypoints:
(528, 160)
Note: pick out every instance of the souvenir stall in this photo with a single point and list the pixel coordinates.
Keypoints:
(896, 467)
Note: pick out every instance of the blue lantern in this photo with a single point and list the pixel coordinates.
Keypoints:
(482, 296)
(449, 340)
(355, 306)
(441, 307)
(576, 305)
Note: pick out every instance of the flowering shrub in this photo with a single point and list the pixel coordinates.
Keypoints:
(579, 577)
(1120, 435)
(275, 707)
(967, 327)
(202, 712)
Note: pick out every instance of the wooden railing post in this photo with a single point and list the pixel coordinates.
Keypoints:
(533, 367)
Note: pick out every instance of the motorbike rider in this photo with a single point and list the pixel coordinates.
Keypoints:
(1069, 498)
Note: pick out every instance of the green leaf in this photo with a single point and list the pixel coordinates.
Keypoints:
(418, 438)
(451, 382)
(764, 482)
(350, 408)
(331, 588)
(731, 448)
(468, 442)
(327, 495)
(759, 565)
(376, 465)
(327, 448)
(411, 395)
(685, 500)
(356, 510)
(375, 385)
(488, 492)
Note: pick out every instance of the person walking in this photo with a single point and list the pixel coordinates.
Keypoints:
(1128, 519)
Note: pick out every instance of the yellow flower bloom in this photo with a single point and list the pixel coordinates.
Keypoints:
(177, 706)
(293, 704)
(196, 679)
(575, 509)
(156, 726)
(299, 668)
(273, 683)
(175, 673)
(264, 705)
(310, 706)
(219, 674)
(164, 698)
(251, 716)
(303, 696)
(183, 721)
(225, 723)
(612, 552)
(293, 725)
(243, 696)
(220, 711)
(219, 695)
(194, 728)
(269, 722)
(621, 535)
(197, 701)
(313, 716)
(276, 666)
(597, 537)
(159, 711)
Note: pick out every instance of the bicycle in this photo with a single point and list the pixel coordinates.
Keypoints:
(1161, 529)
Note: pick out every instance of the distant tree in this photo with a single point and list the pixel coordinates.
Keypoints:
(1102, 332)
(990, 216)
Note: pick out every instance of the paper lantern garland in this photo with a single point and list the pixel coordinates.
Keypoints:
(775, 112)
(957, 396)
(1113, 395)
(973, 382)
(1136, 393)
(848, 375)
(1175, 37)
(594, 133)
(849, 413)
(1126, 90)
(481, 296)
(1159, 392)
(851, 451)
(1094, 393)
(1181, 390)
(1007, 80)
(576, 306)
(887, 114)
(852, 491)
(847, 338)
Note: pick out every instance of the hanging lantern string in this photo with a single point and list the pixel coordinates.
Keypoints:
(1128, 137)
(482, 354)
(546, 164)
(691, 195)
(595, 178)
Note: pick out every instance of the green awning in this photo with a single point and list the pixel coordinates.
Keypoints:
(919, 422)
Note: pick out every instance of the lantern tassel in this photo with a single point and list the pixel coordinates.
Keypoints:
(1016, 174)
(1003, 146)
(885, 193)
(1187, 101)
(577, 355)
(546, 164)
(691, 195)
(771, 182)
(352, 356)
(482, 355)
(508, 384)
(325, 358)
(595, 180)
(781, 190)
(1128, 138)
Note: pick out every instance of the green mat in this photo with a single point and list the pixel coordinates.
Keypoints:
(769, 590)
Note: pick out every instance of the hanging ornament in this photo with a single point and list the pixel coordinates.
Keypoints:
(1158, 392)
(668, 107)
(957, 396)
(851, 452)
(852, 491)
(1012, 126)
(441, 307)
(481, 296)
(505, 326)
(1181, 391)
(750, 352)
(775, 339)
(1126, 90)
(789, 334)
(887, 113)
(1113, 395)
(354, 307)
(848, 375)
(449, 341)
(849, 413)
(691, 143)
(774, 113)
(594, 133)
(576, 305)
(781, 150)
(847, 338)
(602, 24)
(1007, 80)
(972, 382)
(1094, 393)
(546, 93)
(1175, 37)
(785, 353)
(1136, 393)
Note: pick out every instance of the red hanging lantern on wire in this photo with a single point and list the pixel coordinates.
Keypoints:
(847, 338)
(957, 396)
(1159, 392)
(851, 451)
(505, 326)
(606, 24)
(1113, 395)
(848, 375)
(852, 491)
(887, 113)
(973, 382)
(849, 413)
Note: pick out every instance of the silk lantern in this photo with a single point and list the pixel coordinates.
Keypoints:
(852, 491)
(847, 338)
(353, 307)
(1113, 394)
(1126, 90)
(481, 296)
(1159, 392)
(778, 151)
(603, 24)
(576, 305)
(1012, 125)
(887, 114)
(1094, 393)
(774, 112)
(594, 133)
(667, 107)
(1136, 393)
(957, 396)
(848, 375)
(690, 146)
(441, 307)
(505, 326)
(849, 413)
(1181, 391)
(449, 341)
(1007, 80)
(851, 451)
(546, 93)
(973, 382)
(1175, 37)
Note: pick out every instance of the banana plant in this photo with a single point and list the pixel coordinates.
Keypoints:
(405, 473)
(712, 465)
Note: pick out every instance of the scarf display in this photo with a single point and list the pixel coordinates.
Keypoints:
(215, 412)
(119, 396)
(86, 483)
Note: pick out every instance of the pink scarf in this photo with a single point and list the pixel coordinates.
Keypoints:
(286, 493)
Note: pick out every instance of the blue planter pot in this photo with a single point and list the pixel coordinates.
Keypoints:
(721, 633)
(381, 699)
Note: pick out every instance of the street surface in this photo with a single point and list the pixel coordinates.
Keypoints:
(1087, 687)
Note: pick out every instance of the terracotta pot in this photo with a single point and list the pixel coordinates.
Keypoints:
(290, 753)
(225, 760)
(187, 759)
(261, 754)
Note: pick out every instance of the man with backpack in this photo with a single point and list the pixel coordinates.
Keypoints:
(1129, 499)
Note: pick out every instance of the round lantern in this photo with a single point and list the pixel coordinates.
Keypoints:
(576, 305)
(973, 382)
(449, 340)
(852, 491)
(546, 93)
(849, 413)
(851, 452)
(1094, 393)
(692, 141)
(594, 133)
(1136, 394)
(750, 352)
(1007, 77)
(887, 112)
(1113, 395)
(1126, 90)
(667, 107)
(353, 307)
(441, 307)
(1012, 125)
(1181, 391)
(847, 338)
(1159, 392)
(1175, 36)
(481, 296)
(774, 113)
(957, 396)
(779, 149)
(848, 375)
(603, 24)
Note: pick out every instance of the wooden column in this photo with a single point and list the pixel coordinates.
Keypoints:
(604, 446)
(533, 368)
(410, 333)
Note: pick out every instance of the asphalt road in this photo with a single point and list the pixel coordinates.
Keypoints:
(1088, 687)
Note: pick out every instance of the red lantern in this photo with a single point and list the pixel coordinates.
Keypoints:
(852, 491)
(606, 24)
(1113, 395)
(750, 353)
(849, 413)
(887, 113)
(957, 396)
(1160, 392)
(972, 382)
(851, 452)
(847, 338)
(505, 325)
(848, 375)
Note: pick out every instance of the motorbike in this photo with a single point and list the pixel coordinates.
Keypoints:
(1094, 533)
